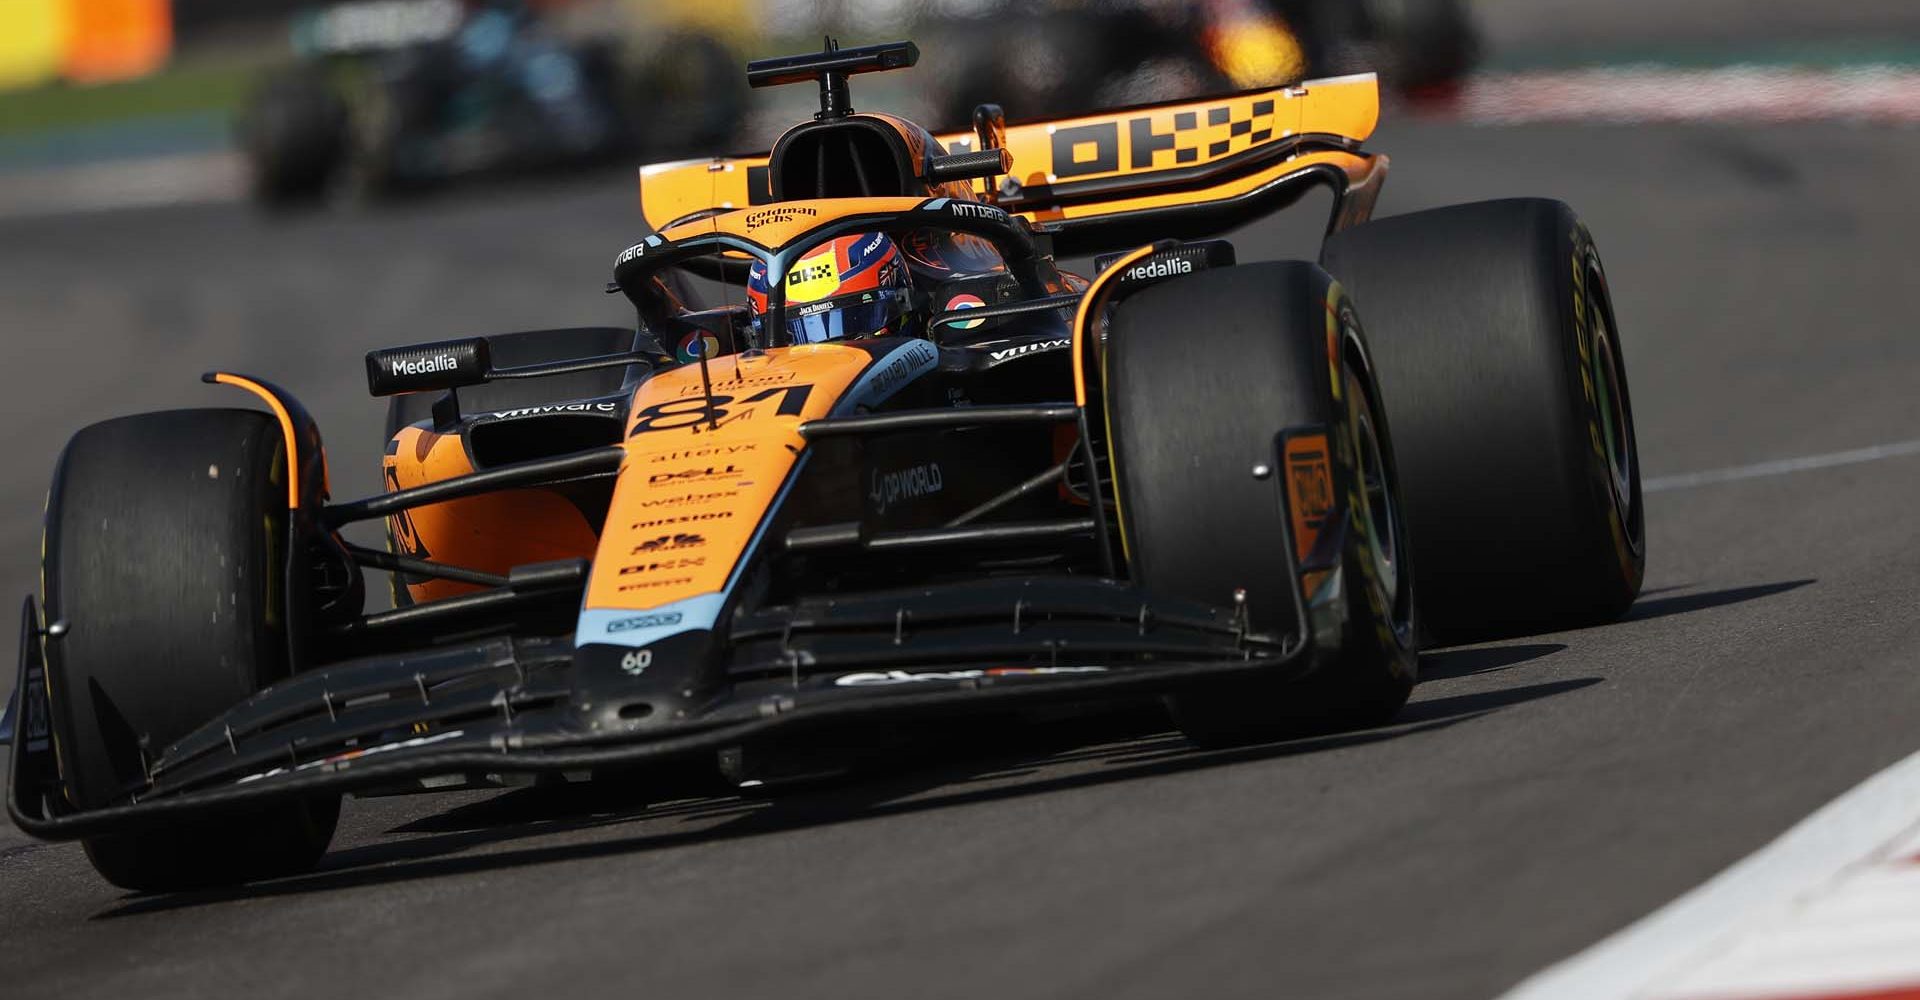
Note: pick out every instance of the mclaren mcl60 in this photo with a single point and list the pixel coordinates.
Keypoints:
(909, 469)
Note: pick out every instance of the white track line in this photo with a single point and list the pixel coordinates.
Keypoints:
(1752, 93)
(1827, 908)
(186, 179)
(1780, 467)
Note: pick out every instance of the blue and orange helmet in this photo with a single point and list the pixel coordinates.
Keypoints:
(850, 287)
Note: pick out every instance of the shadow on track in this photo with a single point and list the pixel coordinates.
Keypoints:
(1687, 603)
(1482, 660)
(520, 815)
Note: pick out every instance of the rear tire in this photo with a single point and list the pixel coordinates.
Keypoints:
(165, 557)
(1502, 373)
(1189, 427)
(294, 132)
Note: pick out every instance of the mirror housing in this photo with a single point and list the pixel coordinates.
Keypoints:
(447, 364)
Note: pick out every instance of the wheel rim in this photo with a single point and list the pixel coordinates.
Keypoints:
(1609, 399)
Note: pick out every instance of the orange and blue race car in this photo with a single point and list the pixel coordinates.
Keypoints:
(907, 468)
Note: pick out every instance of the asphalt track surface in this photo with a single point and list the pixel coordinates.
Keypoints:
(1535, 795)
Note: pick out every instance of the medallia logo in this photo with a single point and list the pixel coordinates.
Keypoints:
(425, 366)
(1165, 268)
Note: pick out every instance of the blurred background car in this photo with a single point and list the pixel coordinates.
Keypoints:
(293, 101)
(1040, 59)
(395, 95)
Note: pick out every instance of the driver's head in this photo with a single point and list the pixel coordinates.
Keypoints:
(850, 287)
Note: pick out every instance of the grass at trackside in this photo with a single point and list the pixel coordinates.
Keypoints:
(181, 91)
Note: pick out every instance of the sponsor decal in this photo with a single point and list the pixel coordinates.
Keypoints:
(424, 366)
(1165, 267)
(534, 411)
(357, 754)
(737, 377)
(667, 543)
(696, 345)
(644, 621)
(683, 562)
(889, 488)
(678, 581)
(975, 210)
(814, 278)
(736, 385)
(1169, 138)
(883, 678)
(1309, 489)
(661, 522)
(902, 367)
(960, 302)
(1008, 353)
(785, 213)
(637, 661)
(710, 451)
(631, 253)
(688, 498)
(695, 475)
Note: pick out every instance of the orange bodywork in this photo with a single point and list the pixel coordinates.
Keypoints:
(690, 496)
(696, 484)
(493, 532)
(1155, 147)
(774, 225)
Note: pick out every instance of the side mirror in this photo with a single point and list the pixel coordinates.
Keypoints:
(1173, 262)
(448, 364)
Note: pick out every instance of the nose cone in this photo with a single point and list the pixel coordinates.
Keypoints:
(636, 689)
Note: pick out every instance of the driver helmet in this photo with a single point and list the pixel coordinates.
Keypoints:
(847, 288)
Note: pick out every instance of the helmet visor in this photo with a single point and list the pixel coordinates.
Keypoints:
(866, 314)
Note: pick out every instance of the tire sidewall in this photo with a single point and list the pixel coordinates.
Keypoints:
(1382, 628)
(1589, 305)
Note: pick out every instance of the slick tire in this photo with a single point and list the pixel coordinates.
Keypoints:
(1501, 368)
(294, 132)
(1204, 373)
(165, 559)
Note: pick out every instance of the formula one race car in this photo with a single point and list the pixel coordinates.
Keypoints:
(392, 96)
(914, 471)
(1045, 59)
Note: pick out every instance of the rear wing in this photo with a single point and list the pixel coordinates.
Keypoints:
(1127, 176)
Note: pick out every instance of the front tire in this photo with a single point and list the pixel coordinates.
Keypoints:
(165, 558)
(1283, 350)
(1502, 372)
